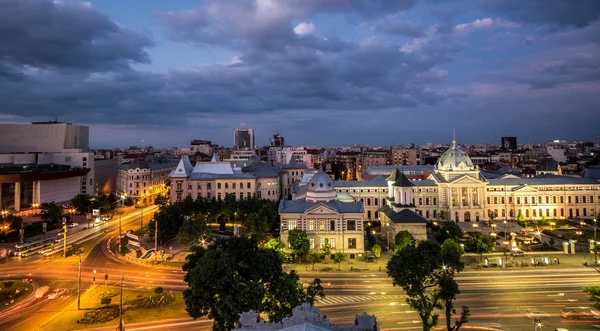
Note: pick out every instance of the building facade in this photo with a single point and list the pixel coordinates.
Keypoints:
(403, 156)
(143, 180)
(216, 179)
(243, 139)
(456, 190)
(317, 211)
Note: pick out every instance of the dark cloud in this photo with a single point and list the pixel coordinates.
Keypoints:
(578, 13)
(44, 34)
(396, 25)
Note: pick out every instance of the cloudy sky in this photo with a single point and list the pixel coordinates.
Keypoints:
(326, 72)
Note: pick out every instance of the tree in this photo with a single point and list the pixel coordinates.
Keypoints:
(277, 245)
(51, 212)
(449, 230)
(338, 258)
(128, 202)
(452, 253)
(299, 243)
(105, 301)
(521, 217)
(326, 248)
(158, 290)
(403, 239)
(314, 258)
(376, 249)
(81, 202)
(594, 292)
(480, 244)
(255, 226)
(448, 291)
(235, 275)
(421, 270)
(161, 200)
(194, 230)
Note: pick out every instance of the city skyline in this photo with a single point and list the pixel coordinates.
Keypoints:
(318, 72)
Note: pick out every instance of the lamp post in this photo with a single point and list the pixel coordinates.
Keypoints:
(79, 286)
(505, 236)
(579, 234)
(94, 279)
(552, 224)
(121, 307)
(475, 226)
(387, 228)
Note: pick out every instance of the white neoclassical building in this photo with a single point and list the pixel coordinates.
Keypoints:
(457, 190)
(318, 211)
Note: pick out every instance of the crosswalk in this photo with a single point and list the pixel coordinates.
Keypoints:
(331, 300)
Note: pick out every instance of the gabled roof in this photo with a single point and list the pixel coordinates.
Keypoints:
(183, 169)
(405, 216)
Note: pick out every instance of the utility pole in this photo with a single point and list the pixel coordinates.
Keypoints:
(65, 238)
(79, 286)
(120, 217)
(121, 307)
(142, 217)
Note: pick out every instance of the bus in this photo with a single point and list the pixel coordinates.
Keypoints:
(27, 249)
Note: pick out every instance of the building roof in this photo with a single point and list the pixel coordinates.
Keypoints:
(403, 168)
(541, 180)
(426, 182)
(546, 164)
(405, 216)
(454, 159)
(399, 179)
(378, 181)
(303, 206)
(261, 169)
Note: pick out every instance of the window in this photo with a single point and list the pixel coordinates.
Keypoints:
(569, 199)
(502, 200)
(562, 200)
(525, 200)
(226, 186)
(321, 225)
(554, 212)
(562, 212)
(311, 225)
(84, 159)
(427, 214)
(510, 200)
(526, 212)
(321, 242)
(495, 200)
(291, 225)
(583, 199)
(554, 200)
(312, 243)
(435, 201)
(489, 200)
(576, 199)
(233, 186)
(248, 185)
(189, 186)
(249, 195)
(331, 225)
(219, 186)
(518, 200)
(351, 242)
(178, 196)
(219, 196)
(130, 184)
(259, 194)
(427, 201)
(351, 225)
(179, 185)
(547, 199)
(332, 243)
(208, 186)
(208, 195)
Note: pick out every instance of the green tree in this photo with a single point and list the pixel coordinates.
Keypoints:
(521, 217)
(480, 244)
(128, 202)
(51, 212)
(81, 202)
(338, 258)
(161, 200)
(277, 245)
(449, 230)
(403, 239)
(420, 271)
(326, 248)
(194, 230)
(376, 249)
(255, 226)
(235, 275)
(448, 290)
(299, 243)
(594, 292)
(106, 301)
(452, 253)
(314, 257)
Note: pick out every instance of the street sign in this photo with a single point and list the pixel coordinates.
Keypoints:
(95, 212)
(133, 236)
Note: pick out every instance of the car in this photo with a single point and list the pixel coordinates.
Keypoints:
(337, 284)
(518, 253)
(536, 313)
(56, 293)
(72, 225)
(577, 313)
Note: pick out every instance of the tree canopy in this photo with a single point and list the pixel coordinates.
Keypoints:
(449, 230)
(480, 244)
(425, 272)
(234, 275)
(51, 212)
(194, 230)
(277, 245)
(403, 239)
(299, 243)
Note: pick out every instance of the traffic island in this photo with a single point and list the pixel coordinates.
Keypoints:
(13, 292)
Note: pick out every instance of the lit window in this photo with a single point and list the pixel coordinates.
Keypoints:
(291, 225)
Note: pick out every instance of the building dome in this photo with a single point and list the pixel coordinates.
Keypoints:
(320, 188)
(454, 159)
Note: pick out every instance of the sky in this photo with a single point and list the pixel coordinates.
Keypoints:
(319, 72)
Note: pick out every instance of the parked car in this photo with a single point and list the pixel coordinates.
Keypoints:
(56, 293)
(536, 313)
(518, 253)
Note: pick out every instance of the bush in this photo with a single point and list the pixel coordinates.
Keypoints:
(100, 315)
(105, 300)
(158, 290)
(151, 302)
(8, 284)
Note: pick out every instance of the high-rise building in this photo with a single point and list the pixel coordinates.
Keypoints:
(243, 138)
(403, 156)
(509, 143)
(277, 140)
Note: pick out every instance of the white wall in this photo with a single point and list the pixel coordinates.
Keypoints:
(59, 190)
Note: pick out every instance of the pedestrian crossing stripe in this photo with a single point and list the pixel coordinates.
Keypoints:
(346, 299)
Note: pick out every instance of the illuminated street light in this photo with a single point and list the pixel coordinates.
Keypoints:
(475, 226)
(552, 224)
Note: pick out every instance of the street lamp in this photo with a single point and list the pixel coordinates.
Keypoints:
(35, 207)
(387, 230)
(579, 234)
(504, 229)
(475, 226)
(552, 224)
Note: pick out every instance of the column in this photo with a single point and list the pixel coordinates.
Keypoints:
(470, 196)
(36, 196)
(18, 196)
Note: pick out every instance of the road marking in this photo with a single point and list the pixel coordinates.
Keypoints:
(569, 300)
